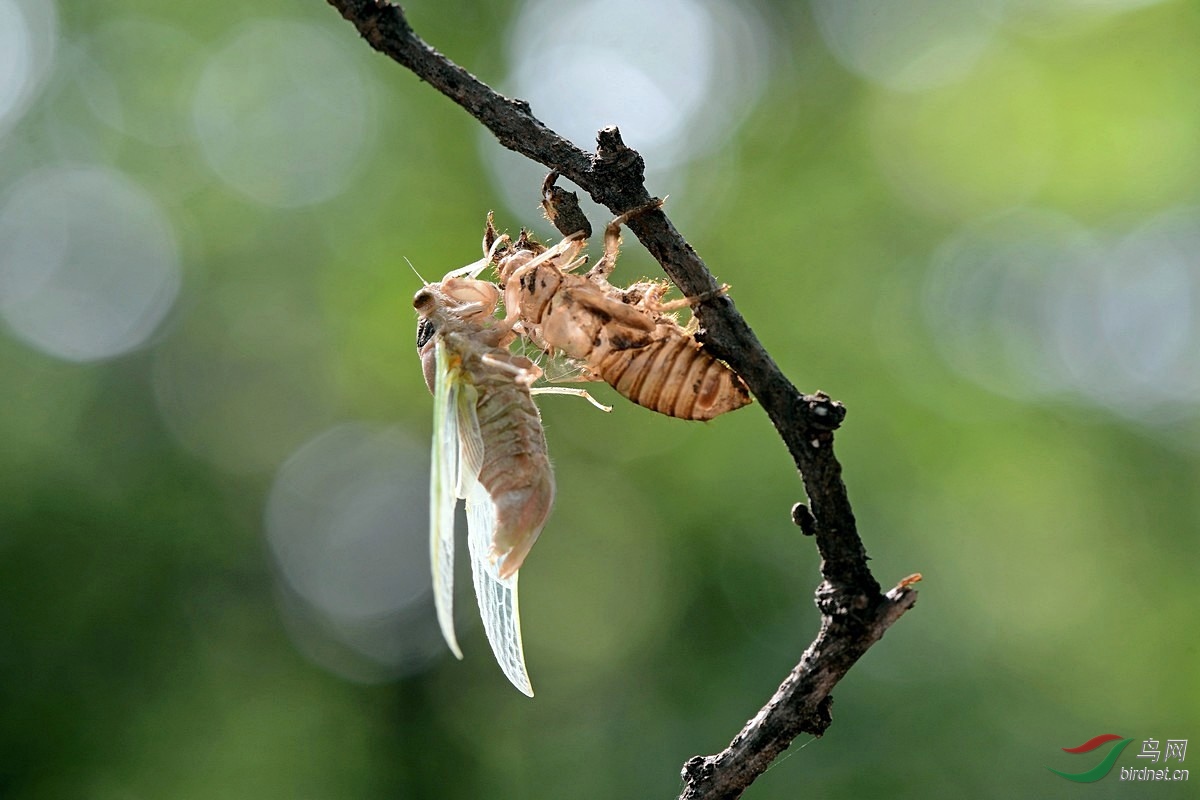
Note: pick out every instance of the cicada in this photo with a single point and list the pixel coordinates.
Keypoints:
(625, 337)
(488, 449)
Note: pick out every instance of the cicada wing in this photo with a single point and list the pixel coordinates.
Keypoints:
(470, 438)
(497, 596)
(446, 466)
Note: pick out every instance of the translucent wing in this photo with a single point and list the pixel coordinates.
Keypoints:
(470, 439)
(497, 597)
(443, 484)
(457, 458)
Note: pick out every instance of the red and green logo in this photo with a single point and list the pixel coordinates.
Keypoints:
(1100, 770)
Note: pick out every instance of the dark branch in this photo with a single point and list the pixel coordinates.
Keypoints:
(802, 702)
(855, 612)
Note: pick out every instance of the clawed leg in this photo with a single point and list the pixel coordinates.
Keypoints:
(567, 370)
(576, 392)
(647, 295)
(520, 367)
(693, 323)
(525, 371)
(684, 302)
(612, 241)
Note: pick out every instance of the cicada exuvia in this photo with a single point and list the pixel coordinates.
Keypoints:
(625, 337)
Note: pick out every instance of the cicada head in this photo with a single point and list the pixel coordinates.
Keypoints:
(457, 304)
(435, 311)
(427, 301)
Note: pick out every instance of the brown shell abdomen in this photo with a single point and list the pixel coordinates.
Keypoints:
(674, 376)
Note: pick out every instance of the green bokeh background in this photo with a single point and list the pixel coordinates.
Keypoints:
(143, 652)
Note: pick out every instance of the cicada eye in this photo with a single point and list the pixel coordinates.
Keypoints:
(425, 331)
(423, 301)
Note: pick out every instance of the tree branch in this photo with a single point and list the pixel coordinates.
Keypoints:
(855, 612)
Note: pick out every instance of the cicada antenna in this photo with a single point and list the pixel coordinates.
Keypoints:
(414, 269)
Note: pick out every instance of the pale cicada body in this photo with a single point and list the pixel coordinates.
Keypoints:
(489, 449)
(624, 337)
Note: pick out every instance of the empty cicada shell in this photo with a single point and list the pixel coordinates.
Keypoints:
(625, 337)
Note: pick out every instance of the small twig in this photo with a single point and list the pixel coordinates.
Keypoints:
(802, 702)
(855, 612)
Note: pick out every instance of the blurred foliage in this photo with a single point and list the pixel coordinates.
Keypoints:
(146, 643)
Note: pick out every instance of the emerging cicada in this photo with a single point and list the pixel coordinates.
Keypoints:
(625, 337)
(489, 449)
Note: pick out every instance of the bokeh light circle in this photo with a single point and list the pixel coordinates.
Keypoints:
(151, 105)
(1031, 304)
(677, 84)
(28, 42)
(909, 46)
(89, 264)
(347, 524)
(283, 113)
(1128, 329)
(246, 374)
(988, 303)
(970, 149)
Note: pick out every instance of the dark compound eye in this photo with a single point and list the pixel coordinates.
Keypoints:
(425, 332)
(423, 299)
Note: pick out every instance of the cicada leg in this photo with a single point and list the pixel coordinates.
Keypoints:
(566, 390)
(686, 302)
(521, 368)
(612, 241)
(527, 372)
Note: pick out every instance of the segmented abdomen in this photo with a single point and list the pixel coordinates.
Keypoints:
(674, 376)
(516, 469)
